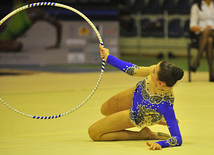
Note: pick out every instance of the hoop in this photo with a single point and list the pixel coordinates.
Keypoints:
(100, 40)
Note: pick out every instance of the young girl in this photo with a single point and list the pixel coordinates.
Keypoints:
(150, 102)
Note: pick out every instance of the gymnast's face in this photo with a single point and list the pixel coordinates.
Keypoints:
(154, 76)
(155, 71)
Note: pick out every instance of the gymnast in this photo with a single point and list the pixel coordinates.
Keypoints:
(22, 22)
(150, 102)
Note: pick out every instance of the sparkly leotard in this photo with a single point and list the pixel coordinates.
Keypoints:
(149, 107)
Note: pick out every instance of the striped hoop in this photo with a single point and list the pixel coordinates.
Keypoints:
(100, 40)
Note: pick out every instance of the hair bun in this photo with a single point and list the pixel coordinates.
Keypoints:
(177, 73)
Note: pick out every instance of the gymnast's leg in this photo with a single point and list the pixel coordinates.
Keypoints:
(121, 101)
(113, 127)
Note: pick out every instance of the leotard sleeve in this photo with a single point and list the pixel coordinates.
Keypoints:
(176, 139)
(128, 67)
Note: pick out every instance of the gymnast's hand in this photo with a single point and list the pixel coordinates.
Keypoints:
(104, 52)
(154, 146)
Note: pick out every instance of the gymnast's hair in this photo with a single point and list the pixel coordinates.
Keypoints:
(169, 73)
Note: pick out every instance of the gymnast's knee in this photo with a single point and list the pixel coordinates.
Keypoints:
(104, 110)
(93, 134)
(109, 106)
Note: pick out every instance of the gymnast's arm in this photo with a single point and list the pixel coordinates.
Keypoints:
(176, 139)
(124, 66)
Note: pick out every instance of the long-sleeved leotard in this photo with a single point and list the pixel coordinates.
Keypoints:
(150, 106)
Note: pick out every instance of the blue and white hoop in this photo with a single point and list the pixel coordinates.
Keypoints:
(100, 40)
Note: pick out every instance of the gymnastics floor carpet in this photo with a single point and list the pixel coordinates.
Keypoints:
(43, 93)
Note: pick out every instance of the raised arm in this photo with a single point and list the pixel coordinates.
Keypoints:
(127, 67)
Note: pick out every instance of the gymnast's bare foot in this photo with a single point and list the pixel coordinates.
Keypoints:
(162, 136)
(147, 134)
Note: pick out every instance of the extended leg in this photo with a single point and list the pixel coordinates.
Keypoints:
(113, 127)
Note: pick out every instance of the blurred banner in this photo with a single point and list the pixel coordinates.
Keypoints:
(79, 43)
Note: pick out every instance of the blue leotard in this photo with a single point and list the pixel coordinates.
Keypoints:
(149, 108)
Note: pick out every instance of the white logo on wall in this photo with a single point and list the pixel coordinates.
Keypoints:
(76, 58)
